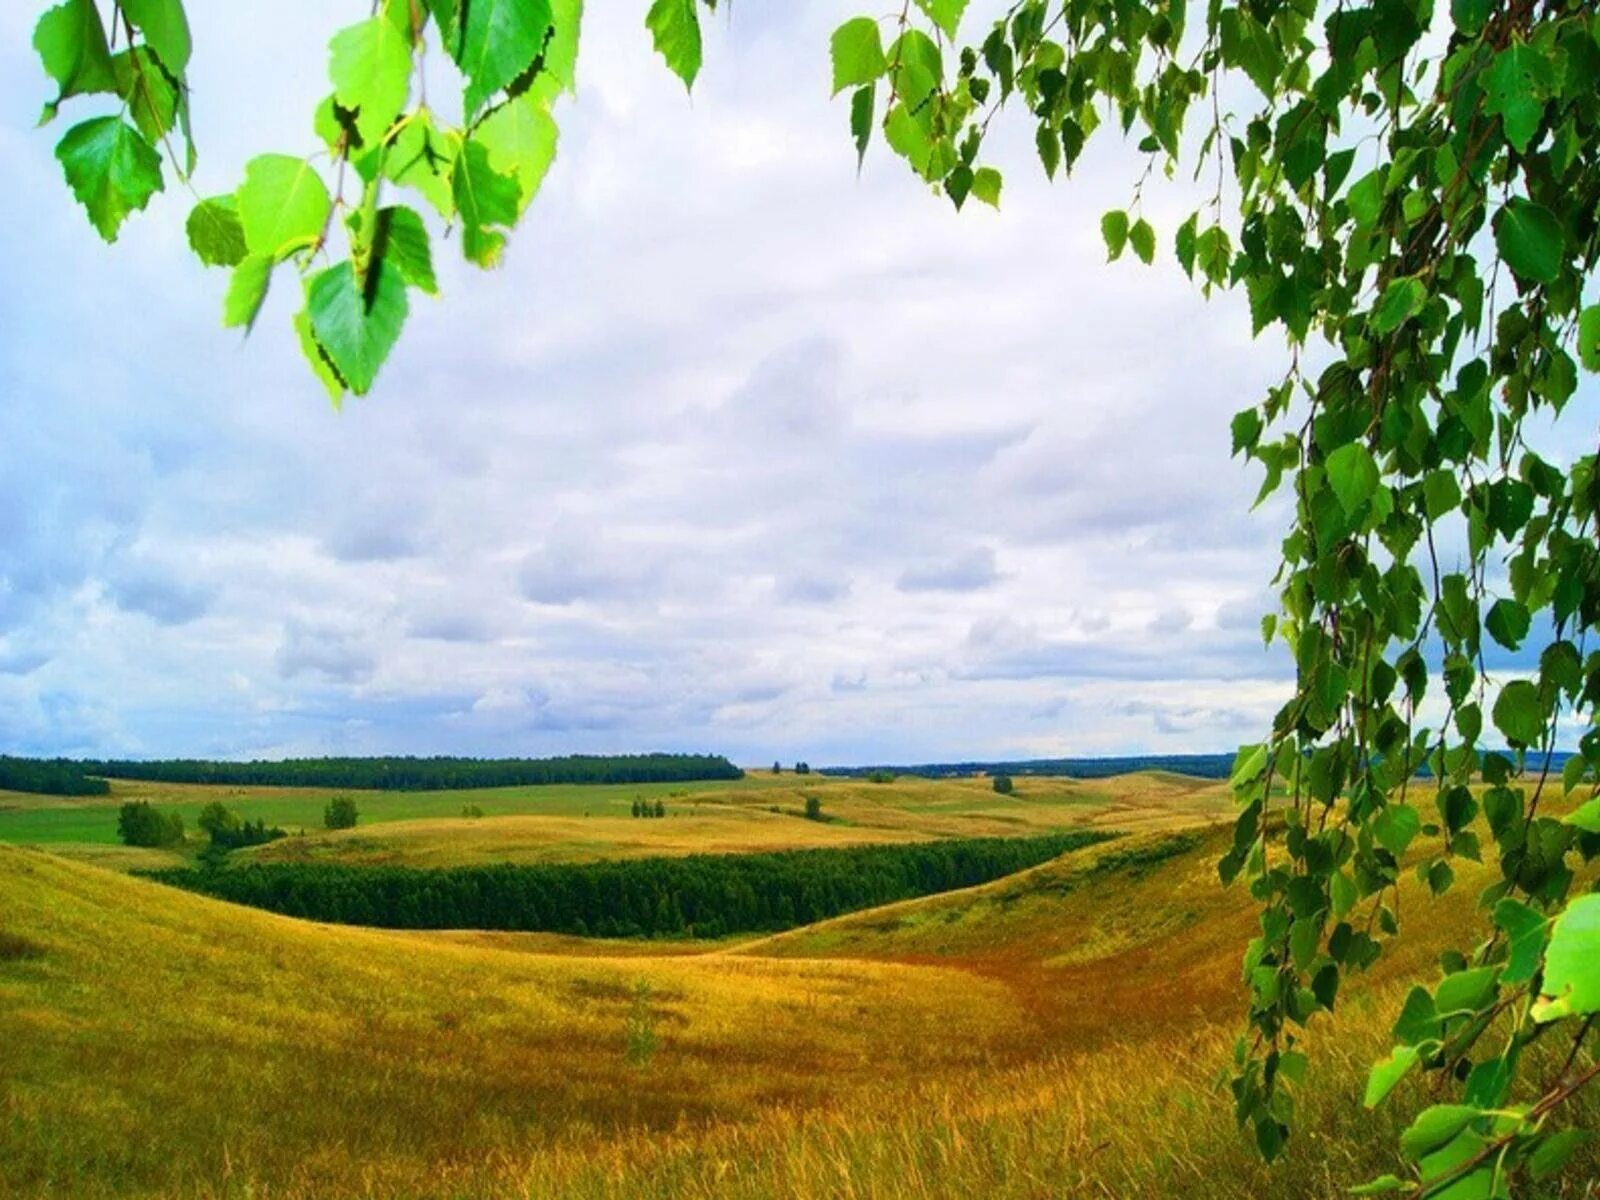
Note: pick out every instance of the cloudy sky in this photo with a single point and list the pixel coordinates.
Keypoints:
(737, 452)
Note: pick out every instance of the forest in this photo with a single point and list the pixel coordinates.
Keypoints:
(50, 777)
(408, 774)
(698, 896)
(1202, 766)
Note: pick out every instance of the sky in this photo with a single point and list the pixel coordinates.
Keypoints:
(738, 451)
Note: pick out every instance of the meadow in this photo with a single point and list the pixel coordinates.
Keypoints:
(1057, 1032)
(573, 822)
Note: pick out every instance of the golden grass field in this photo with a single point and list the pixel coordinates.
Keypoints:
(1059, 1033)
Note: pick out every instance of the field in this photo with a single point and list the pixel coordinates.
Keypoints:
(576, 822)
(1056, 1033)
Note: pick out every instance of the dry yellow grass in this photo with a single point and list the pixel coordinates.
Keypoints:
(1059, 1033)
(703, 829)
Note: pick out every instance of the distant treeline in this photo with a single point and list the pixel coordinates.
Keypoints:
(1203, 766)
(51, 777)
(426, 774)
(697, 896)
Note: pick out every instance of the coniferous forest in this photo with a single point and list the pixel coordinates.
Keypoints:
(696, 896)
(407, 774)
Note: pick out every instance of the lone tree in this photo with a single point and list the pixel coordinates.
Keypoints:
(340, 813)
(814, 808)
(1408, 194)
(217, 821)
(1003, 784)
(140, 824)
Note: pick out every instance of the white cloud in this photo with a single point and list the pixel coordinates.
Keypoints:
(737, 452)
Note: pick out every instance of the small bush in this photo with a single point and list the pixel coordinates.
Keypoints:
(661, 808)
(1003, 784)
(814, 808)
(14, 947)
(471, 811)
(340, 813)
(139, 824)
(880, 776)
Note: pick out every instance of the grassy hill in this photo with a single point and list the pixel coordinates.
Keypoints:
(1056, 1033)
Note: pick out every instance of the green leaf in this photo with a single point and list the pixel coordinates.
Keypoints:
(1465, 991)
(1441, 494)
(1508, 623)
(1553, 1152)
(1469, 15)
(165, 27)
(1353, 475)
(1366, 197)
(215, 234)
(321, 365)
(1586, 816)
(370, 66)
(403, 239)
(1434, 1126)
(71, 43)
(1572, 963)
(283, 204)
(1402, 300)
(357, 328)
(151, 98)
(421, 157)
(1388, 1072)
(861, 105)
(520, 136)
(1516, 87)
(561, 50)
(946, 14)
(247, 289)
(1589, 338)
(986, 186)
(1518, 713)
(1530, 240)
(1382, 1185)
(499, 43)
(1396, 826)
(1143, 240)
(675, 28)
(485, 199)
(857, 52)
(111, 169)
(1524, 929)
(1114, 229)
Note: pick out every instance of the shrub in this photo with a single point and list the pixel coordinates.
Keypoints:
(880, 776)
(340, 813)
(471, 811)
(1003, 784)
(661, 808)
(814, 808)
(217, 819)
(139, 824)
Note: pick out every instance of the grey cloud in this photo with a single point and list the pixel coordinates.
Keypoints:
(163, 597)
(966, 572)
(336, 655)
(812, 589)
(1170, 621)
